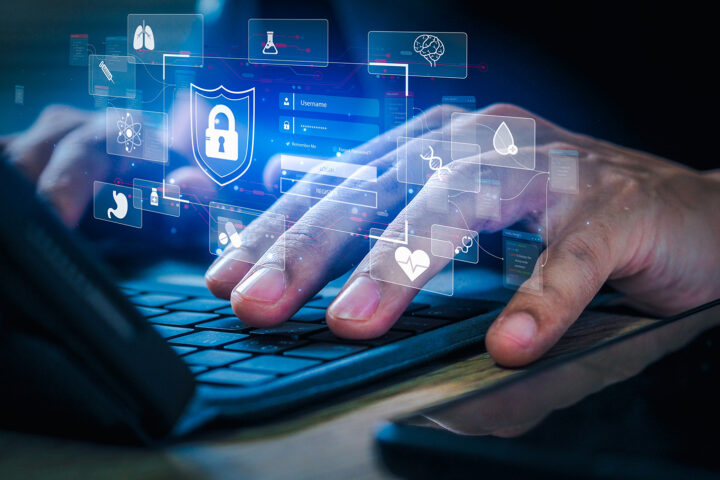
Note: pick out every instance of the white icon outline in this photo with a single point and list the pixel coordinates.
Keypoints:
(129, 132)
(144, 37)
(413, 263)
(425, 41)
(270, 48)
(250, 147)
(227, 140)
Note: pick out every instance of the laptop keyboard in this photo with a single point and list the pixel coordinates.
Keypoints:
(222, 350)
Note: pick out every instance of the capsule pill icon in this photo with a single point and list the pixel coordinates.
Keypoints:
(233, 234)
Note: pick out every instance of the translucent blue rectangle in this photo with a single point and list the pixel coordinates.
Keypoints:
(152, 36)
(227, 223)
(157, 197)
(304, 102)
(427, 54)
(115, 203)
(521, 251)
(116, 45)
(527, 236)
(288, 41)
(111, 76)
(331, 193)
(320, 127)
(137, 134)
(397, 109)
(78, 49)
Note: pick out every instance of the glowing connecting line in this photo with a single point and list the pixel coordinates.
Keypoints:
(402, 65)
(404, 241)
(176, 55)
(407, 94)
(172, 199)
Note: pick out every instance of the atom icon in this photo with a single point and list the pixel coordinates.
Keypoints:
(129, 133)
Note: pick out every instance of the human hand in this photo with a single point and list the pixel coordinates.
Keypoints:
(646, 225)
(64, 151)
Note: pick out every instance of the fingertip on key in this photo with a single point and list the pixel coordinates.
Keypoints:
(350, 314)
(511, 339)
(265, 285)
(225, 272)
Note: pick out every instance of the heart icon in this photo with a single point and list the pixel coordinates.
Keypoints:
(412, 263)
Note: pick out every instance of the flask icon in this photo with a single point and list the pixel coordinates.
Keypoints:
(269, 48)
(154, 200)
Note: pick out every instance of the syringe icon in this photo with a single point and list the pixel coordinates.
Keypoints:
(106, 71)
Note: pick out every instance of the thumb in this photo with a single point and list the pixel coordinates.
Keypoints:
(576, 267)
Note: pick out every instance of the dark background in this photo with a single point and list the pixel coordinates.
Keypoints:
(635, 74)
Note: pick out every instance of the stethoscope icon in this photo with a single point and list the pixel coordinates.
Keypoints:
(434, 162)
(467, 242)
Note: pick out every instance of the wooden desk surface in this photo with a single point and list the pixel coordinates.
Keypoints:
(330, 441)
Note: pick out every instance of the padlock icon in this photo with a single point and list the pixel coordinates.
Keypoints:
(222, 144)
(286, 125)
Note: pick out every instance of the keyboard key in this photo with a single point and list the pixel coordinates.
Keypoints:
(289, 329)
(274, 364)
(182, 318)
(197, 369)
(182, 350)
(229, 324)
(266, 344)
(208, 338)
(308, 315)
(167, 332)
(415, 306)
(150, 311)
(214, 358)
(129, 291)
(418, 324)
(155, 299)
(325, 351)
(389, 337)
(458, 310)
(234, 377)
(229, 310)
(225, 311)
(322, 302)
(200, 304)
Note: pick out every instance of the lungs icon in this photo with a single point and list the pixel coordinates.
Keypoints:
(143, 37)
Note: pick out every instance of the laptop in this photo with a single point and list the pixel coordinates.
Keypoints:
(148, 360)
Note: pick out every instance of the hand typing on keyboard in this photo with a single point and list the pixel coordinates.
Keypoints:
(648, 226)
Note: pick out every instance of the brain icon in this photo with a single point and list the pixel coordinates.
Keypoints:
(430, 47)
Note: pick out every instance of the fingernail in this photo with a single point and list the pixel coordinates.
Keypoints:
(266, 285)
(358, 301)
(228, 267)
(520, 327)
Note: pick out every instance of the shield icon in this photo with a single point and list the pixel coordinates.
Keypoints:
(222, 129)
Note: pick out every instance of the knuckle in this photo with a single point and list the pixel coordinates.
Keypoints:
(303, 239)
(53, 113)
(561, 145)
(444, 109)
(505, 109)
(588, 255)
(87, 137)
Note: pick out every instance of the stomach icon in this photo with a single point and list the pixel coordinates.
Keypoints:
(121, 206)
